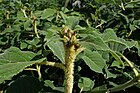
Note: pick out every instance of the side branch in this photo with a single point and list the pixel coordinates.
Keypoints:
(128, 84)
(53, 64)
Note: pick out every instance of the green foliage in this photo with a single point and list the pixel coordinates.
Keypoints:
(105, 28)
(94, 60)
(13, 61)
(85, 83)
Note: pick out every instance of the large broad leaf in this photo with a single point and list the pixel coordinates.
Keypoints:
(95, 42)
(115, 43)
(7, 71)
(109, 34)
(54, 43)
(57, 47)
(14, 61)
(14, 54)
(94, 60)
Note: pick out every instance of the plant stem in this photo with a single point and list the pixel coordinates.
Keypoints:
(119, 87)
(130, 64)
(23, 10)
(72, 49)
(34, 26)
(38, 71)
(125, 85)
(69, 70)
(53, 64)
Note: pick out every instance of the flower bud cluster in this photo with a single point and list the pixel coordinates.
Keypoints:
(69, 37)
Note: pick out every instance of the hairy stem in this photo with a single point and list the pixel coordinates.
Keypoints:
(69, 70)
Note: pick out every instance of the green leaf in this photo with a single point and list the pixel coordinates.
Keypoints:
(13, 61)
(132, 27)
(58, 49)
(117, 57)
(27, 24)
(138, 47)
(99, 89)
(116, 64)
(49, 83)
(72, 21)
(26, 84)
(85, 83)
(34, 42)
(61, 89)
(109, 34)
(20, 14)
(23, 45)
(115, 43)
(109, 74)
(14, 54)
(94, 60)
(95, 42)
(7, 71)
(48, 13)
(8, 30)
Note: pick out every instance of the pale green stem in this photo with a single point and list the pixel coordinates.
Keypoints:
(23, 10)
(38, 71)
(35, 28)
(53, 64)
(130, 64)
(122, 5)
